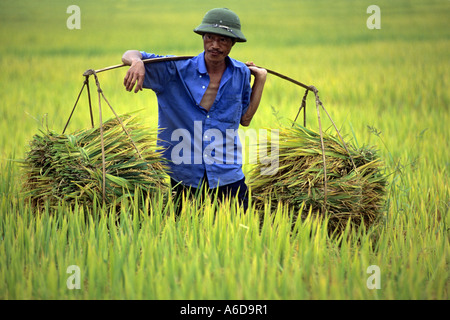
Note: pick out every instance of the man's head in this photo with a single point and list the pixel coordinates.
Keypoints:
(217, 47)
(221, 22)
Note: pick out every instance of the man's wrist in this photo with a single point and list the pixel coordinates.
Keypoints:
(260, 74)
(136, 60)
(261, 77)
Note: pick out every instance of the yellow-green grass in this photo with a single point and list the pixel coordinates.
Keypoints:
(384, 87)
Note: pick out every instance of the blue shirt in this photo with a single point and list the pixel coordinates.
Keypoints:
(194, 140)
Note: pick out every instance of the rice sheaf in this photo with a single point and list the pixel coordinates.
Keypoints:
(353, 194)
(69, 166)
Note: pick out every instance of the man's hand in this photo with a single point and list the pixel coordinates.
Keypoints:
(135, 75)
(259, 73)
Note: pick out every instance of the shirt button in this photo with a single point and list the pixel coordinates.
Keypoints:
(203, 87)
(200, 76)
(207, 116)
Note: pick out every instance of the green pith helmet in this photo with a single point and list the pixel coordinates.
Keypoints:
(221, 21)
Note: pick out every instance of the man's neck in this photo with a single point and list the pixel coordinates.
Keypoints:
(216, 67)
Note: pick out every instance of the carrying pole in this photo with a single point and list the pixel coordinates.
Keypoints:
(176, 58)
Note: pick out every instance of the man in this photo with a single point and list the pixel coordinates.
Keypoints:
(201, 102)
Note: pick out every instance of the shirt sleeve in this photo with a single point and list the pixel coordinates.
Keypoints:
(156, 74)
(246, 92)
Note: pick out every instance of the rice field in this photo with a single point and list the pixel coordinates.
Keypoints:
(384, 88)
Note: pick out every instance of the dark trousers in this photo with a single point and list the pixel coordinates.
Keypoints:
(237, 189)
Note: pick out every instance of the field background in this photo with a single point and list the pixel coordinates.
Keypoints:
(394, 80)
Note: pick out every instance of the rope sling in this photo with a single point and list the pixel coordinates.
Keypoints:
(91, 72)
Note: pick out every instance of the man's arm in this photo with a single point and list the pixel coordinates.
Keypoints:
(257, 90)
(136, 73)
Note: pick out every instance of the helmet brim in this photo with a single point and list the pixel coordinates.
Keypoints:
(221, 30)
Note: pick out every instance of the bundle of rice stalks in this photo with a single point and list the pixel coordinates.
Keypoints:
(69, 167)
(355, 194)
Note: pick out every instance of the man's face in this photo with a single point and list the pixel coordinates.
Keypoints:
(216, 47)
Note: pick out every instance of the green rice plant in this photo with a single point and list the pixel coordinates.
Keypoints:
(69, 166)
(355, 189)
(212, 251)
